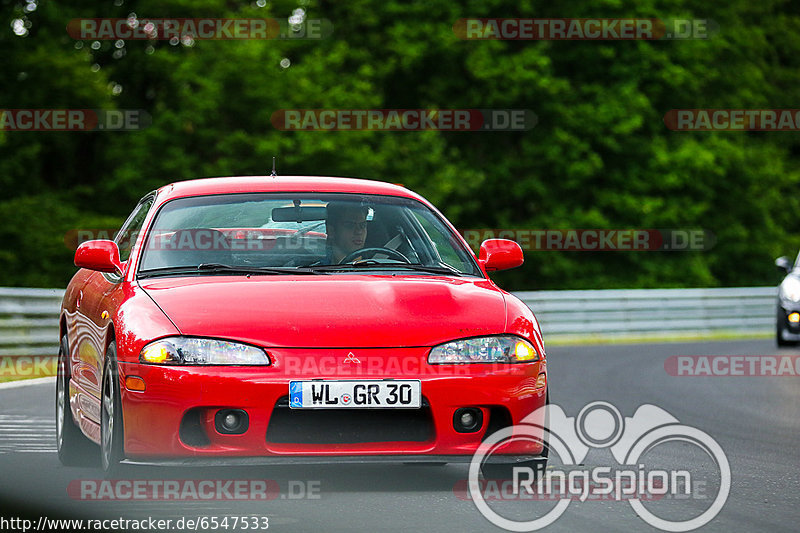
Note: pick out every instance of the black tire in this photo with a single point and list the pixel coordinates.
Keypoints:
(111, 429)
(74, 449)
(503, 472)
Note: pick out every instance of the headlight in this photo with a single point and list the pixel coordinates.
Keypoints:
(790, 289)
(197, 351)
(494, 349)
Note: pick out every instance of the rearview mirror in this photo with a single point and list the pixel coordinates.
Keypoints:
(784, 263)
(100, 255)
(500, 254)
(298, 214)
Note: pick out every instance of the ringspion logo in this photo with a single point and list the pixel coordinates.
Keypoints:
(600, 425)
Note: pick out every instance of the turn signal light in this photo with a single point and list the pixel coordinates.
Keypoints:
(134, 383)
(525, 352)
(794, 318)
(155, 353)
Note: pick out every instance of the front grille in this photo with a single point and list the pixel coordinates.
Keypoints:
(348, 426)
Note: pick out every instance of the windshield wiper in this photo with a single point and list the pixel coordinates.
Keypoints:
(359, 264)
(219, 268)
(442, 268)
(373, 264)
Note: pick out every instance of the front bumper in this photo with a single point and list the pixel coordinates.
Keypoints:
(505, 394)
(320, 460)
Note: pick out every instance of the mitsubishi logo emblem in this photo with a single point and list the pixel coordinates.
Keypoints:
(351, 358)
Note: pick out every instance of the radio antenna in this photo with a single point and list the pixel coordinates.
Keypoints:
(274, 172)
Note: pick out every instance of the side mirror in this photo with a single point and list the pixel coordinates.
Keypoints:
(500, 254)
(100, 255)
(784, 263)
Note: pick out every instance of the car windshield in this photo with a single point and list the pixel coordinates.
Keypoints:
(298, 232)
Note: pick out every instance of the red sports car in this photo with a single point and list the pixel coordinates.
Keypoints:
(292, 319)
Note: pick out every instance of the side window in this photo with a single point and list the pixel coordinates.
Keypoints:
(437, 240)
(126, 237)
(443, 243)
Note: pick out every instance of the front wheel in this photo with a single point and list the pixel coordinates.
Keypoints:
(73, 448)
(111, 430)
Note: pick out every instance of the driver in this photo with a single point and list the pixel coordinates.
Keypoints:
(346, 226)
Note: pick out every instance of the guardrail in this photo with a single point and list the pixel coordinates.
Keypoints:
(29, 321)
(29, 317)
(653, 312)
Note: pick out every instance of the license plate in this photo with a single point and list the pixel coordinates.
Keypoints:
(355, 394)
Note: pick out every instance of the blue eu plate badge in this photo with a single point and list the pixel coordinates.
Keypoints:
(295, 394)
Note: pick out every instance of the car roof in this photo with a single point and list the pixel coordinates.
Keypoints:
(245, 184)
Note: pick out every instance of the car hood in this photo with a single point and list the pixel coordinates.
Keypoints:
(330, 311)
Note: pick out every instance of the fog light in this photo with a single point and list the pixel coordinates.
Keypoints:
(794, 318)
(231, 421)
(467, 419)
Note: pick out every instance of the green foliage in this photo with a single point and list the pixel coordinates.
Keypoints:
(599, 157)
(39, 235)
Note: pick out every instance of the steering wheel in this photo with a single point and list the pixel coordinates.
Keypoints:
(393, 254)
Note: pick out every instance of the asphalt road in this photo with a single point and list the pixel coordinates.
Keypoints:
(756, 421)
